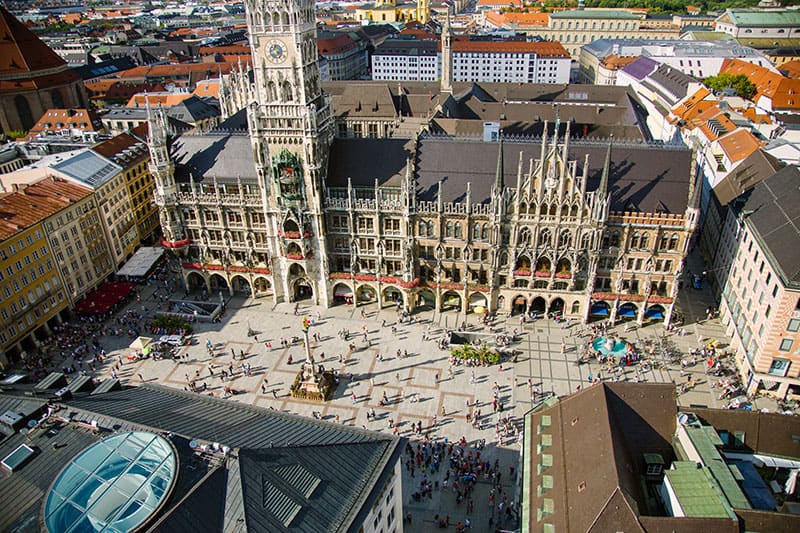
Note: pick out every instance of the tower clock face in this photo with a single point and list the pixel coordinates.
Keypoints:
(276, 51)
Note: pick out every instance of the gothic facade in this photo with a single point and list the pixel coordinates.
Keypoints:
(290, 209)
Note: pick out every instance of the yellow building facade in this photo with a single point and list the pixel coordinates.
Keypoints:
(395, 11)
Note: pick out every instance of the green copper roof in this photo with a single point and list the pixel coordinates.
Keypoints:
(696, 491)
(592, 14)
(765, 18)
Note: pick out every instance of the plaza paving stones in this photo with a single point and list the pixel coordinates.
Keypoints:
(373, 368)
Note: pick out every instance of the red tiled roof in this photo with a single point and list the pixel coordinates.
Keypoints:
(784, 92)
(21, 51)
(738, 145)
(55, 120)
(112, 148)
(518, 19)
(33, 203)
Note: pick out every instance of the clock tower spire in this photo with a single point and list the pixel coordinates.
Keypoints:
(291, 129)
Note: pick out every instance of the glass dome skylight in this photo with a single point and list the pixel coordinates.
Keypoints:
(114, 485)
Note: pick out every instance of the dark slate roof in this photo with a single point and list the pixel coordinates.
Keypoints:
(105, 68)
(672, 80)
(317, 488)
(225, 156)
(230, 423)
(200, 510)
(363, 160)
(756, 167)
(773, 213)
(192, 110)
(643, 178)
(22, 491)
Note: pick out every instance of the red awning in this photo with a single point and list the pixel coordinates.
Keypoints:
(105, 297)
(175, 244)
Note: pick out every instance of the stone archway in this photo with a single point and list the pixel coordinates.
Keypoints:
(261, 286)
(519, 304)
(196, 281)
(217, 282)
(538, 306)
(627, 311)
(451, 300)
(342, 294)
(600, 310)
(426, 298)
(240, 285)
(654, 312)
(478, 299)
(556, 306)
(391, 295)
(366, 294)
(302, 289)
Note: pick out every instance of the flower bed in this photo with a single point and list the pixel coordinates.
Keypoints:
(292, 234)
(483, 355)
(522, 272)
(171, 323)
(294, 256)
(366, 277)
(564, 275)
(339, 275)
(542, 274)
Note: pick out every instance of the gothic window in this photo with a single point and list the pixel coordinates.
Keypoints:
(285, 18)
(524, 238)
(673, 242)
(614, 239)
(476, 232)
(565, 241)
(523, 208)
(287, 91)
(523, 263)
(586, 242)
(448, 230)
(574, 211)
(503, 259)
(544, 237)
(543, 265)
(423, 229)
(543, 209)
(457, 231)
(272, 92)
(565, 211)
(485, 232)
(635, 240)
(645, 238)
(553, 210)
(663, 242)
(430, 229)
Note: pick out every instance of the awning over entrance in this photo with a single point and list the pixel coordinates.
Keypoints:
(599, 309)
(342, 291)
(105, 297)
(142, 262)
(654, 312)
(627, 311)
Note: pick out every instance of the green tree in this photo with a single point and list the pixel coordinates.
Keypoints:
(740, 83)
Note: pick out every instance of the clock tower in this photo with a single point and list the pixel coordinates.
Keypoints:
(291, 128)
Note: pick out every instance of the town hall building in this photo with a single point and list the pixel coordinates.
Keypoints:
(475, 197)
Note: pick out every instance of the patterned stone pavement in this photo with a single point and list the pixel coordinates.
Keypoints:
(420, 387)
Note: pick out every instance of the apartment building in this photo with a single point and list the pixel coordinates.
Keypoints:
(760, 304)
(699, 59)
(77, 240)
(345, 53)
(32, 292)
(576, 28)
(108, 182)
(507, 61)
(131, 154)
(760, 23)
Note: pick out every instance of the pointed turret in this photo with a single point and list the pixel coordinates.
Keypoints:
(499, 182)
(447, 55)
(602, 190)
